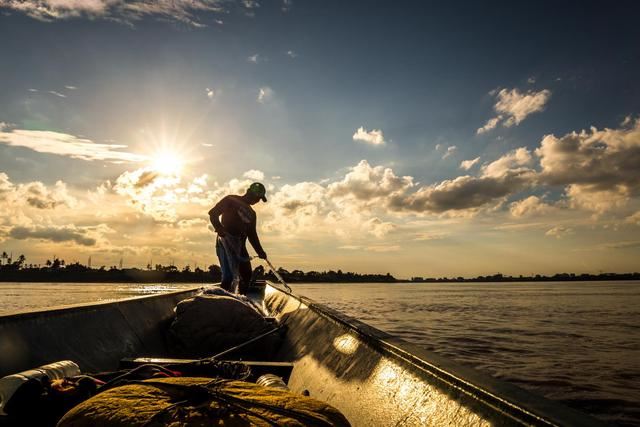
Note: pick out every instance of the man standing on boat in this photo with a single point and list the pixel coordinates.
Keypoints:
(238, 223)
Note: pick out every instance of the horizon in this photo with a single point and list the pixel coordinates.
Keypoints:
(188, 268)
(426, 140)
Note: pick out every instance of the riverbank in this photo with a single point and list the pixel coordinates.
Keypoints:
(169, 275)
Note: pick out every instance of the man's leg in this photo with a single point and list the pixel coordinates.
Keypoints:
(245, 277)
(225, 266)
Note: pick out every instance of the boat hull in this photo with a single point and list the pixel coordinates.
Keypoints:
(377, 379)
(95, 336)
(374, 378)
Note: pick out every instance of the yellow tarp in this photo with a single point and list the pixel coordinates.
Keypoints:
(151, 405)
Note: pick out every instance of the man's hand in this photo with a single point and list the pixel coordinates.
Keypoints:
(262, 255)
(221, 232)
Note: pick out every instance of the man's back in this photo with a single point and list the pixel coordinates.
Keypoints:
(237, 217)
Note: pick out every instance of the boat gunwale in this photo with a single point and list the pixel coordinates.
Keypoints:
(532, 407)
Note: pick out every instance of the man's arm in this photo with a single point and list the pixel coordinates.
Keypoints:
(214, 216)
(252, 235)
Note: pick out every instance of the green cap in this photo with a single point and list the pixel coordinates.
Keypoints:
(259, 190)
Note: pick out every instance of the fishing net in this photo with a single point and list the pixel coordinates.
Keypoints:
(200, 402)
(206, 325)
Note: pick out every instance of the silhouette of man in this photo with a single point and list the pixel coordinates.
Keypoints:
(238, 223)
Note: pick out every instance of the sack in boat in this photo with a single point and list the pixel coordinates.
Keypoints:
(206, 325)
(187, 401)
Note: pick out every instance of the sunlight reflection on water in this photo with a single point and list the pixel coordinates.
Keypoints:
(21, 297)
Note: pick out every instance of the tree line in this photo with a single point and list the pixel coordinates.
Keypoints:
(57, 270)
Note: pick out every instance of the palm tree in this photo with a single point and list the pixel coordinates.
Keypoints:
(4, 256)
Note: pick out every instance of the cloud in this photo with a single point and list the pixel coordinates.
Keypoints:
(69, 87)
(286, 5)
(58, 94)
(513, 160)
(210, 93)
(382, 248)
(265, 94)
(254, 174)
(514, 106)
(350, 247)
(368, 183)
(297, 207)
(598, 201)
(631, 219)
(599, 167)
(491, 124)
(371, 248)
(461, 193)
(347, 209)
(628, 244)
(373, 137)
(498, 179)
(152, 193)
(604, 159)
(559, 232)
(34, 194)
(468, 164)
(450, 151)
(530, 206)
(517, 106)
(184, 11)
(420, 237)
(67, 145)
(378, 227)
(254, 58)
(250, 4)
(192, 223)
(292, 54)
(6, 186)
(54, 234)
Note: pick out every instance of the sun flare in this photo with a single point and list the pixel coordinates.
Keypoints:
(167, 163)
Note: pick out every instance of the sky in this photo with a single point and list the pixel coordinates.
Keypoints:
(416, 138)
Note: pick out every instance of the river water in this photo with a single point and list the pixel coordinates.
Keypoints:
(573, 342)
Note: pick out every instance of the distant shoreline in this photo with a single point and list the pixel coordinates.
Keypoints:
(203, 281)
(57, 271)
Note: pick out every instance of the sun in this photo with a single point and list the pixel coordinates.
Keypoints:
(167, 163)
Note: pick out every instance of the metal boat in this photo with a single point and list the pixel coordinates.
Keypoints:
(373, 378)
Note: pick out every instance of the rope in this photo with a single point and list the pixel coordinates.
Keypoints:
(278, 276)
(198, 394)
